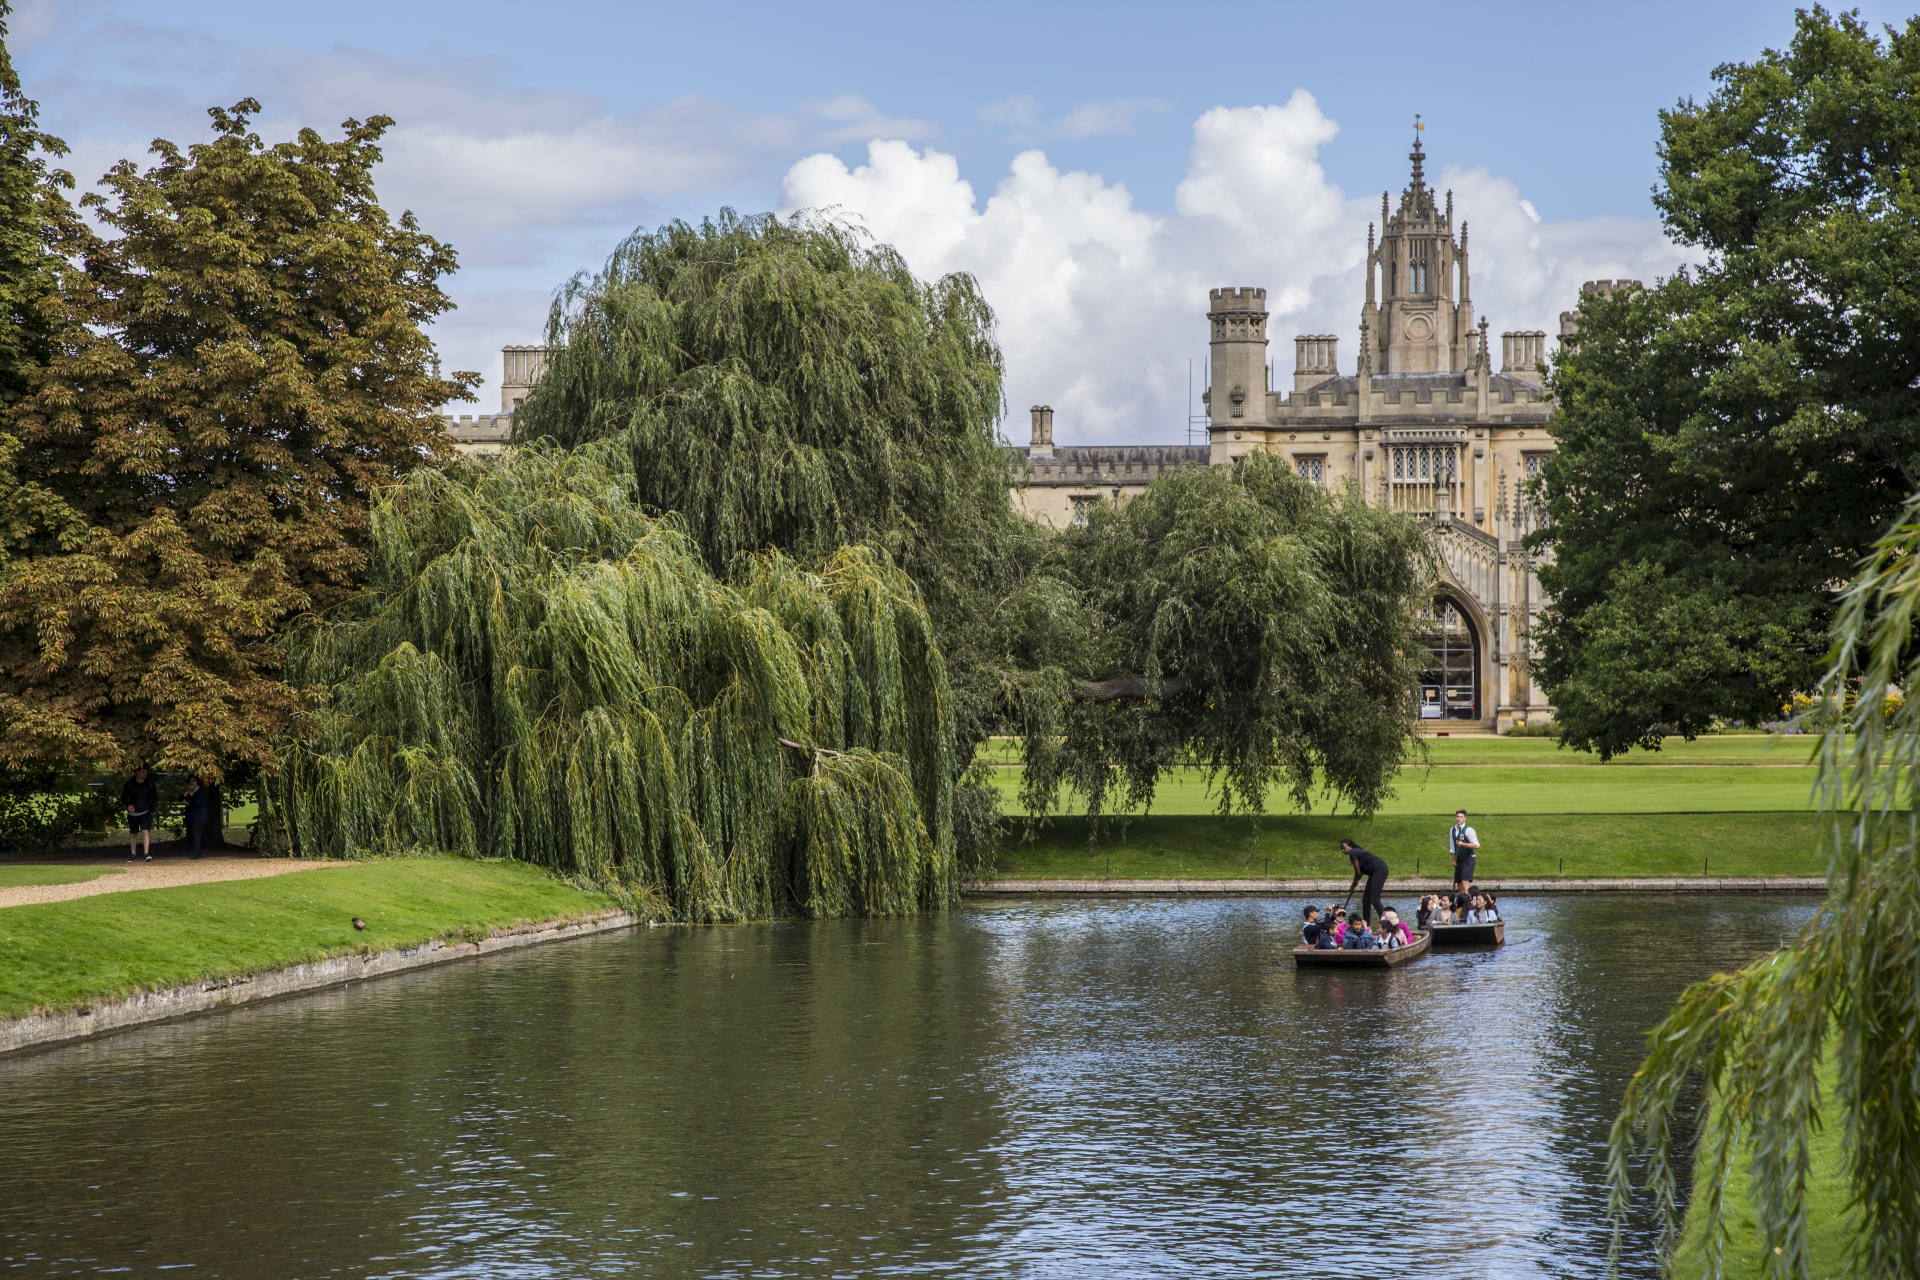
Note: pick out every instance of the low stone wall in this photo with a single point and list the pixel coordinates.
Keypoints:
(1395, 888)
(204, 997)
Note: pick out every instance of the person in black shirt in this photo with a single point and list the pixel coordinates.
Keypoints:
(1373, 869)
(141, 797)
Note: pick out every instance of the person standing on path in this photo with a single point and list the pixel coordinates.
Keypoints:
(195, 808)
(1373, 868)
(141, 796)
(1463, 842)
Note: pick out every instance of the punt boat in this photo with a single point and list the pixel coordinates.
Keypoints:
(1469, 935)
(1312, 958)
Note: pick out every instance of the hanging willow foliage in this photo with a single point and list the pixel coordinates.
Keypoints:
(787, 383)
(539, 670)
(1846, 989)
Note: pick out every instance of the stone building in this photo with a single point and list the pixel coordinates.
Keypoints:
(1423, 424)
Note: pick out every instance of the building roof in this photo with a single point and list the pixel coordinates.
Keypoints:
(1083, 464)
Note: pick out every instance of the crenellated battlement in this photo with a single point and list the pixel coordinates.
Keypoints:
(1242, 299)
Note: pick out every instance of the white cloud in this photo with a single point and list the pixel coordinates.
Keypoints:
(851, 118)
(1101, 304)
(1092, 119)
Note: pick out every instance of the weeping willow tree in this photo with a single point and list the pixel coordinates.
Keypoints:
(1846, 991)
(789, 384)
(540, 670)
(1238, 619)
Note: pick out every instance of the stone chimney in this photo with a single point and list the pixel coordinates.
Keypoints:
(1042, 445)
(520, 368)
(1315, 359)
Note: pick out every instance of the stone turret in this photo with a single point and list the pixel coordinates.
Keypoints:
(1239, 324)
(1422, 321)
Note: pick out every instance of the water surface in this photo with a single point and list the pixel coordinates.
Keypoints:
(1132, 1088)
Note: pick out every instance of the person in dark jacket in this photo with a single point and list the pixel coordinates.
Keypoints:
(1371, 868)
(195, 808)
(141, 796)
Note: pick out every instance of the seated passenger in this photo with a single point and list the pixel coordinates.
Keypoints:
(1328, 941)
(1462, 909)
(1392, 932)
(1423, 918)
(1359, 936)
(1310, 931)
(1489, 908)
(1339, 926)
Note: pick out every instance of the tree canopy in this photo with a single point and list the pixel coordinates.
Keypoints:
(36, 225)
(236, 367)
(1236, 618)
(1845, 990)
(538, 669)
(1731, 441)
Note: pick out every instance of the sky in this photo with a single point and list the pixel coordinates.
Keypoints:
(1098, 167)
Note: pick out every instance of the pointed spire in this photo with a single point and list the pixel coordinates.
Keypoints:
(1418, 156)
(1449, 206)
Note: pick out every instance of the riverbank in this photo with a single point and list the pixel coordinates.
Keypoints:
(1539, 847)
(57, 958)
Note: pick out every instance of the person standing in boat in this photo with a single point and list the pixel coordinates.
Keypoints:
(1463, 842)
(1372, 868)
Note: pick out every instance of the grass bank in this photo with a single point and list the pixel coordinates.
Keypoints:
(1171, 846)
(1830, 1223)
(61, 955)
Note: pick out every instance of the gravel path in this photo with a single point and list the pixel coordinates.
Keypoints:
(163, 872)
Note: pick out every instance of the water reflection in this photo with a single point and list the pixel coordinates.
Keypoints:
(1127, 1089)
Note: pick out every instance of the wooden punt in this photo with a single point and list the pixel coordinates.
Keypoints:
(1312, 958)
(1469, 935)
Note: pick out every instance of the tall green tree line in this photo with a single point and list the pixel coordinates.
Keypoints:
(1731, 441)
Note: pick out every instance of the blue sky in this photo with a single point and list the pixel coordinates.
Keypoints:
(1098, 166)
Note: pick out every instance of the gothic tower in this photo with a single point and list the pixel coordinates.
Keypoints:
(1418, 315)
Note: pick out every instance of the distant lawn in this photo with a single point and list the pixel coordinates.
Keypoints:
(1756, 748)
(15, 876)
(1516, 847)
(1524, 789)
(63, 954)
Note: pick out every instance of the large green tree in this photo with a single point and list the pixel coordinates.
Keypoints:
(1732, 440)
(1234, 618)
(238, 363)
(785, 384)
(37, 225)
(538, 669)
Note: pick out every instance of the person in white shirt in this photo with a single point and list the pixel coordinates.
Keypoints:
(1463, 842)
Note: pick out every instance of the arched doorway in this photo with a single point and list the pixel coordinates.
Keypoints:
(1449, 686)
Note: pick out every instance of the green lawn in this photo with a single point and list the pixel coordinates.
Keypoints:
(1756, 748)
(1829, 1223)
(1524, 789)
(61, 955)
(1207, 848)
(14, 876)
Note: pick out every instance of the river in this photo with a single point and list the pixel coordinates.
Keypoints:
(1101, 1089)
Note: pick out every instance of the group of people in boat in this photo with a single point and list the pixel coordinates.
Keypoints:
(1334, 928)
(1376, 926)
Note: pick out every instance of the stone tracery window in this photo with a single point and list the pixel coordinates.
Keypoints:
(1311, 469)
